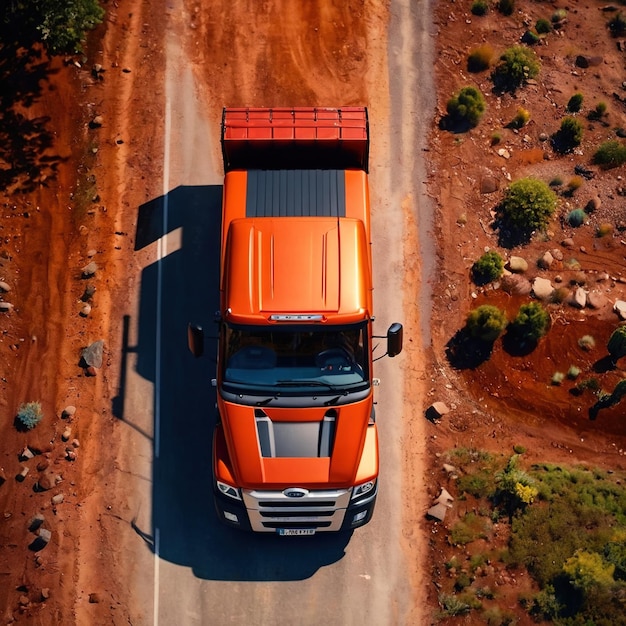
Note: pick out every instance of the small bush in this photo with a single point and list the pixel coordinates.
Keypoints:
(519, 449)
(569, 136)
(587, 342)
(557, 378)
(488, 268)
(543, 26)
(532, 322)
(573, 372)
(576, 218)
(530, 38)
(479, 7)
(574, 183)
(522, 117)
(528, 204)
(617, 343)
(486, 322)
(610, 154)
(480, 58)
(451, 605)
(558, 16)
(557, 181)
(496, 138)
(466, 107)
(575, 103)
(604, 230)
(599, 112)
(506, 7)
(517, 64)
(29, 415)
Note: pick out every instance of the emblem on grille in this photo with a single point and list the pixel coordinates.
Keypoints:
(295, 492)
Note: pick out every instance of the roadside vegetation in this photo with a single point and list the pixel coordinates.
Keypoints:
(565, 527)
(61, 25)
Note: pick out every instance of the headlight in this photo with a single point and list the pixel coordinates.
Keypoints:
(362, 489)
(228, 490)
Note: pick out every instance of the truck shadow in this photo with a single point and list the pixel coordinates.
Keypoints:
(184, 287)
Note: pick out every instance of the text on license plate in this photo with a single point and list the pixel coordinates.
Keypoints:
(296, 531)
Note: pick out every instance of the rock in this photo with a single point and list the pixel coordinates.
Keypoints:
(57, 499)
(438, 512)
(46, 481)
(43, 465)
(568, 243)
(488, 184)
(546, 260)
(68, 411)
(4, 287)
(517, 264)
(75, 443)
(515, 284)
(85, 310)
(24, 601)
(596, 300)
(36, 522)
(6, 306)
(557, 254)
(449, 469)
(542, 288)
(90, 269)
(504, 153)
(45, 593)
(40, 542)
(436, 410)
(96, 122)
(26, 454)
(579, 298)
(593, 205)
(71, 455)
(90, 290)
(445, 498)
(3, 476)
(92, 355)
(23, 473)
(67, 433)
(91, 371)
(620, 308)
(94, 598)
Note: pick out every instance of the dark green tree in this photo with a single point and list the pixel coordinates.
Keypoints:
(617, 343)
(488, 268)
(531, 323)
(466, 107)
(517, 64)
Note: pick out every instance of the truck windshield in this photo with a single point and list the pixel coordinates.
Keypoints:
(296, 359)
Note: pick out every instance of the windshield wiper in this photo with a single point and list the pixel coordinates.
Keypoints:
(311, 383)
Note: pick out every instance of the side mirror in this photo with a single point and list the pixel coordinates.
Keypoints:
(195, 339)
(394, 339)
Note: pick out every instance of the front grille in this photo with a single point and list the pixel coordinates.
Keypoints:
(320, 510)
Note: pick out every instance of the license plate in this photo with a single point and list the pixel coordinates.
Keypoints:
(290, 532)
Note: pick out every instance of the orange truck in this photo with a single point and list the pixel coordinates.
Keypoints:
(295, 448)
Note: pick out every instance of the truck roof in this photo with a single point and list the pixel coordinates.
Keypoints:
(296, 265)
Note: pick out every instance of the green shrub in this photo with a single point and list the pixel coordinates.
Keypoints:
(29, 415)
(506, 7)
(569, 135)
(543, 26)
(480, 7)
(466, 107)
(587, 342)
(480, 58)
(452, 606)
(575, 103)
(557, 378)
(486, 322)
(574, 183)
(531, 322)
(610, 154)
(616, 345)
(573, 372)
(530, 38)
(522, 117)
(496, 138)
(517, 64)
(576, 218)
(488, 268)
(592, 384)
(558, 16)
(528, 204)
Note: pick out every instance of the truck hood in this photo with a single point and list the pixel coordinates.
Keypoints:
(252, 469)
(292, 265)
